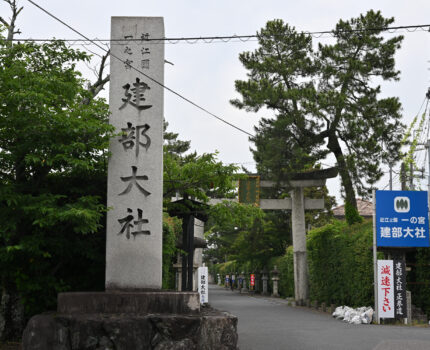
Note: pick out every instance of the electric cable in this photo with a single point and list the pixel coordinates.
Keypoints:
(234, 38)
(144, 74)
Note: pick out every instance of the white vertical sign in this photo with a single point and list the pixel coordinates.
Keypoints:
(203, 284)
(386, 289)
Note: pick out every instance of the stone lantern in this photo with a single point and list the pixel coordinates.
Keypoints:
(244, 286)
(275, 279)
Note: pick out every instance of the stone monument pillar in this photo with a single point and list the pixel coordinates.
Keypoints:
(135, 171)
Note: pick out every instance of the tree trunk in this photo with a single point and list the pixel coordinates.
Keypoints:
(351, 213)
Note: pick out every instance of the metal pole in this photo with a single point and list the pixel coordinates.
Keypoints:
(391, 176)
(403, 176)
(375, 260)
(428, 179)
(411, 180)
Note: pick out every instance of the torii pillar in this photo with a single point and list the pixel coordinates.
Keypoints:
(298, 203)
(301, 285)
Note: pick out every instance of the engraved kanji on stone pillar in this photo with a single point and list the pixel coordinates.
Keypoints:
(135, 172)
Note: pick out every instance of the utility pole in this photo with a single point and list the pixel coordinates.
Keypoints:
(403, 176)
(428, 179)
(428, 156)
(411, 177)
(391, 176)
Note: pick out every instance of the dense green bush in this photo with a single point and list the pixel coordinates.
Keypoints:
(340, 267)
(285, 265)
(340, 264)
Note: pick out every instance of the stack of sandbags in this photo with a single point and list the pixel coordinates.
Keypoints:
(354, 316)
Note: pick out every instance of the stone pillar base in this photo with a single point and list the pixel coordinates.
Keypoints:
(131, 320)
(111, 302)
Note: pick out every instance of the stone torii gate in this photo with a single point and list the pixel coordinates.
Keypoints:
(297, 204)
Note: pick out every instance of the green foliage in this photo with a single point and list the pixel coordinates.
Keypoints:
(408, 157)
(171, 232)
(351, 214)
(190, 175)
(194, 176)
(52, 174)
(421, 273)
(197, 176)
(324, 99)
(340, 264)
(285, 266)
(236, 232)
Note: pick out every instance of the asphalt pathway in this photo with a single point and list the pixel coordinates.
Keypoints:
(267, 323)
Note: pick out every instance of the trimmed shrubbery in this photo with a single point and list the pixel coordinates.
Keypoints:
(340, 264)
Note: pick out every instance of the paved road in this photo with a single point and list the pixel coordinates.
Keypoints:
(269, 324)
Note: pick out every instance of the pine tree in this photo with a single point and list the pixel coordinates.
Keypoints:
(325, 101)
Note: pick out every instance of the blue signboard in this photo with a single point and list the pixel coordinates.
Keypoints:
(402, 219)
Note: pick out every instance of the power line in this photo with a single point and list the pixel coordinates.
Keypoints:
(229, 38)
(139, 71)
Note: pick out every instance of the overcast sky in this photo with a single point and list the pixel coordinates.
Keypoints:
(205, 72)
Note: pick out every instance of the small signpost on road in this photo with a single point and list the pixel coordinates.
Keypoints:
(400, 220)
(203, 285)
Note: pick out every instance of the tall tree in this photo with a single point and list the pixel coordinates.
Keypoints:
(325, 100)
(52, 176)
(191, 175)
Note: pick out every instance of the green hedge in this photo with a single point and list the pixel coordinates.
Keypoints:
(421, 273)
(341, 267)
(341, 264)
(285, 266)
